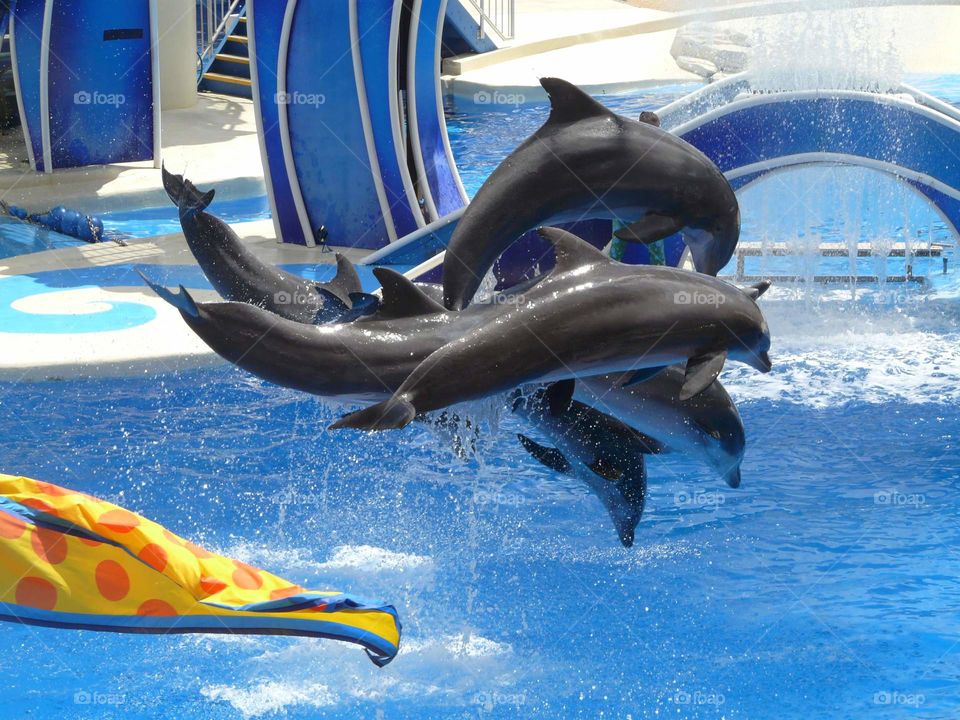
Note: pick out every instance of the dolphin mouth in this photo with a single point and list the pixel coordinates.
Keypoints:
(760, 361)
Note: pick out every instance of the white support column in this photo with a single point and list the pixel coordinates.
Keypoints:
(178, 53)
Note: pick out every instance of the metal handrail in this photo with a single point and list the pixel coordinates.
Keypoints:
(215, 20)
(499, 15)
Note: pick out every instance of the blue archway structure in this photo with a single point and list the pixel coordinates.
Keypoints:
(372, 162)
(909, 135)
(351, 119)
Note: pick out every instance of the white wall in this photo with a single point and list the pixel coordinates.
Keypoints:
(177, 22)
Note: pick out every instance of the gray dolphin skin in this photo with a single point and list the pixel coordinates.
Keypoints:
(593, 447)
(588, 162)
(363, 360)
(706, 426)
(236, 273)
(589, 315)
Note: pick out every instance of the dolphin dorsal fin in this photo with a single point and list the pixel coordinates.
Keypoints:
(401, 298)
(344, 283)
(568, 103)
(571, 251)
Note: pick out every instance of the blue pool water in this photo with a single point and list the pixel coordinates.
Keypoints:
(826, 586)
(147, 222)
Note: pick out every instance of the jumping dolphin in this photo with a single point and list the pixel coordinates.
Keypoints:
(593, 447)
(589, 315)
(363, 360)
(707, 426)
(588, 162)
(238, 275)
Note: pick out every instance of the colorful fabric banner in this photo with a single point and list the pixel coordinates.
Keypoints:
(73, 561)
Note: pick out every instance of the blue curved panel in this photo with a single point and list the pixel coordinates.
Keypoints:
(265, 20)
(379, 23)
(100, 83)
(326, 133)
(949, 206)
(26, 31)
(859, 127)
(438, 171)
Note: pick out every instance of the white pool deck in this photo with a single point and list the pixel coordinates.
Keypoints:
(163, 343)
(604, 45)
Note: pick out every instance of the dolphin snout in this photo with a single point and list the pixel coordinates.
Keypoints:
(759, 361)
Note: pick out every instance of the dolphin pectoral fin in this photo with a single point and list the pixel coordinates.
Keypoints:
(642, 375)
(568, 103)
(559, 396)
(344, 283)
(605, 470)
(334, 310)
(547, 456)
(649, 229)
(363, 304)
(701, 372)
(757, 289)
(649, 445)
(181, 301)
(391, 414)
(402, 298)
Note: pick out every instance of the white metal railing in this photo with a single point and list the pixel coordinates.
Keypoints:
(215, 18)
(498, 15)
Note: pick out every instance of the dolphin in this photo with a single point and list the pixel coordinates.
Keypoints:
(237, 274)
(362, 360)
(706, 426)
(593, 447)
(588, 162)
(589, 315)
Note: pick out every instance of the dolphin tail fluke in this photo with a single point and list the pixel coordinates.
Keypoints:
(391, 414)
(181, 301)
(185, 195)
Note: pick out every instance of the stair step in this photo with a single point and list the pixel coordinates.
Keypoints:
(231, 79)
(239, 59)
(237, 39)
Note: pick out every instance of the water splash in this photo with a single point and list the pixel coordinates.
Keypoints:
(821, 49)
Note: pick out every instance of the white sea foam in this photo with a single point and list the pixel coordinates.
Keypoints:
(833, 353)
(262, 698)
(454, 670)
(370, 559)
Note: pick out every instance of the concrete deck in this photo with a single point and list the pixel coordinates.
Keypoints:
(84, 312)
